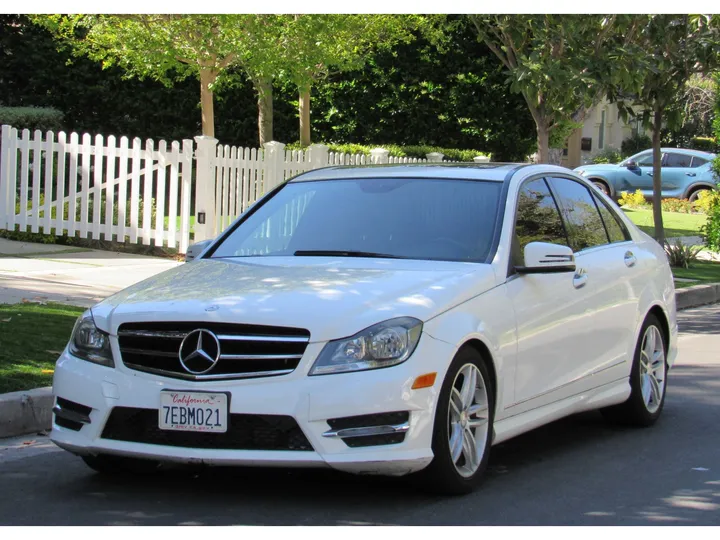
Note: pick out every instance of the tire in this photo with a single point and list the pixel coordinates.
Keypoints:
(108, 465)
(643, 409)
(445, 475)
(602, 186)
(695, 195)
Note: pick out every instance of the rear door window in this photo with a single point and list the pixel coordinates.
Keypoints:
(674, 159)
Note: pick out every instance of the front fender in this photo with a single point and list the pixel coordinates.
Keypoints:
(490, 319)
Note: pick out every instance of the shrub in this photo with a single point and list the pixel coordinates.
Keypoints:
(706, 144)
(632, 200)
(711, 229)
(633, 145)
(716, 168)
(705, 200)
(608, 155)
(680, 255)
(676, 205)
(411, 151)
(32, 118)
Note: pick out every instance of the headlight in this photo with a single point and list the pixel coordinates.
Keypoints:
(89, 343)
(382, 345)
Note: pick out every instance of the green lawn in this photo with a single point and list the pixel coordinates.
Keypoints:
(32, 336)
(674, 223)
(702, 271)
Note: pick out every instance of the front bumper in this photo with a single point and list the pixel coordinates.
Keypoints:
(310, 401)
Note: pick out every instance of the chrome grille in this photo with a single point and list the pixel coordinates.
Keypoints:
(245, 350)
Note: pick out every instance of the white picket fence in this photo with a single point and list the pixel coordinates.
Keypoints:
(112, 189)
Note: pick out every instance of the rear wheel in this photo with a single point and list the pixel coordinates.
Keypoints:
(648, 379)
(117, 465)
(695, 195)
(463, 427)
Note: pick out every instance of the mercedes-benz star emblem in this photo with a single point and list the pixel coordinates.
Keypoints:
(199, 351)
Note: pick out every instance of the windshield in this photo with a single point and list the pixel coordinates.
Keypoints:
(444, 219)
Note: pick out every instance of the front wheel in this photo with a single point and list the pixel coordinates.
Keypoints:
(695, 195)
(648, 379)
(462, 432)
(602, 186)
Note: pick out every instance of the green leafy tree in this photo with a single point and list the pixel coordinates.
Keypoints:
(313, 46)
(557, 63)
(163, 47)
(671, 49)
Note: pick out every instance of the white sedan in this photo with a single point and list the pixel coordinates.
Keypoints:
(378, 320)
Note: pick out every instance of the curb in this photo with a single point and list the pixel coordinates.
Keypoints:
(27, 411)
(30, 411)
(698, 295)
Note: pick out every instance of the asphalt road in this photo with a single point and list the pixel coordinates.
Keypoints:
(576, 471)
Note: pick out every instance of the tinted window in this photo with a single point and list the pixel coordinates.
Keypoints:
(400, 217)
(645, 160)
(674, 159)
(698, 162)
(582, 219)
(538, 219)
(617, 232)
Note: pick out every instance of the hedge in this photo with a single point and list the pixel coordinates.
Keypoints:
(412, 151)
(32, 118)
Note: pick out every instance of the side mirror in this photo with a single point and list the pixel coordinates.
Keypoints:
(545, 258)
(196, 249)
(631, 165)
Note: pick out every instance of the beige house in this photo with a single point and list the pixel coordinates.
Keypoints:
(603, 129)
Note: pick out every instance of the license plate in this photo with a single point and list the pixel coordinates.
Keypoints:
(193, 411)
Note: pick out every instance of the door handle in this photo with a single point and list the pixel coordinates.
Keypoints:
(690, 174)
(630, 259)
(649, 174)
(580, 278)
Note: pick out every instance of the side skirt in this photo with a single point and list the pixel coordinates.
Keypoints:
(596, 398)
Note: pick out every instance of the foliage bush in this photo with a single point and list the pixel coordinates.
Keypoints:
(706, 144)
(681, 255)
(633, 145)
(608, 155)
(682, 206)
(716, 168)
(711, 229)
(633, 200)
(412, 151)
(706, 199)
(32, 118)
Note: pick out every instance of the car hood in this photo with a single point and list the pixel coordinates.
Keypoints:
(331, 297)
(599, 168)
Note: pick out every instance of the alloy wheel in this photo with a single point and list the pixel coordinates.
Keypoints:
(652, 369)
(468, 420)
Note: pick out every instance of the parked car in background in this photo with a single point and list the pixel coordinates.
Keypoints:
(378, 320)
(685, 173)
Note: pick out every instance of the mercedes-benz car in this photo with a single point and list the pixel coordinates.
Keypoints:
(385, 320)
(685, 174)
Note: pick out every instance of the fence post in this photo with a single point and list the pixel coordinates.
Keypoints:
(435, 157)
(379, 156)
(6, 197)
(274, 161)
(319, 156)
(205, 188)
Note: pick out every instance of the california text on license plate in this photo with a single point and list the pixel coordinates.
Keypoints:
(193, 411)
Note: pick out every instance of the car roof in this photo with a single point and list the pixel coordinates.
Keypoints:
(686, 151)
(466, 171)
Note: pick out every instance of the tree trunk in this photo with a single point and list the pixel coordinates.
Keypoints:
(543, 140)
(305, 117)
(657, 179)
(264, 91)
(207, 77)
(555, 156)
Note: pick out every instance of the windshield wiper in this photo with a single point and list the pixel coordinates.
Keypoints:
(340, 253)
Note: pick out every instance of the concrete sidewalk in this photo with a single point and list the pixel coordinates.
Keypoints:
(69, 275)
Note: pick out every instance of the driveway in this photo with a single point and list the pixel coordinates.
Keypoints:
(577, 471)
(70, 275)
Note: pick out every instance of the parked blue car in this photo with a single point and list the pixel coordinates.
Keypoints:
(685, 173)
